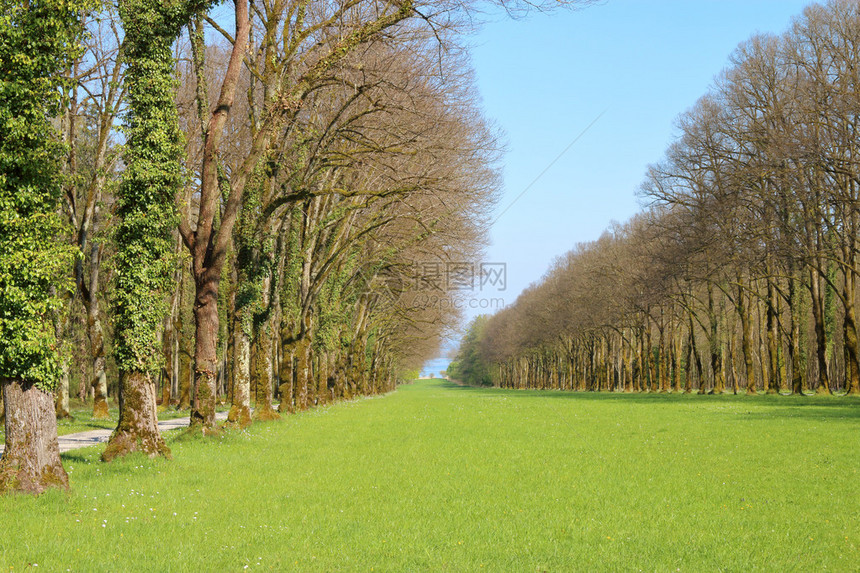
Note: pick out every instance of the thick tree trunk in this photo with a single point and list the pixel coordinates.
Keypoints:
(205, 353)
(31, 462)
(137, 430)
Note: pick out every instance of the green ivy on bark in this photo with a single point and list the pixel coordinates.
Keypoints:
(153, 175)
(38, 41)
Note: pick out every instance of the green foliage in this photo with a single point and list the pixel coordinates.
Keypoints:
(467, 366)
(38, 41)
(442, 477)
(153, 175)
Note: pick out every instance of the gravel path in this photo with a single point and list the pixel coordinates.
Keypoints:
(93, 437)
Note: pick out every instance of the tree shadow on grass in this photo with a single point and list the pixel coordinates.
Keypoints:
(767, 406)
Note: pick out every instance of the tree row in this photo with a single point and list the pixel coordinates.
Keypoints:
(741, 273)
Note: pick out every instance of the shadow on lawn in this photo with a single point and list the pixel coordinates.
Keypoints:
(766, 406)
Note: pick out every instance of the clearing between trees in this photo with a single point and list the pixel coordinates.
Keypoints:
(439, 476)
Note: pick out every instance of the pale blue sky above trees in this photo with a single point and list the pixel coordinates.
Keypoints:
(546, 78)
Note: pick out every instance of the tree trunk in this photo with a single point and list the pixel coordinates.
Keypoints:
(205, 352)
(263, 375)
(797, 365)
(852, 344)
(302, 374)
(240, 410)
(746, 340)
(287, 376)
(775, 378)
(31, 461)
(716, 347)
(137, 430)
(62, 399)
(99, 379)
(185, 349)
(820, 333)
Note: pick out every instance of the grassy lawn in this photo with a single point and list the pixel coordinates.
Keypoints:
(440, 477)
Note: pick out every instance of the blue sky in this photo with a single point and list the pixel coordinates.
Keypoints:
(545, 78)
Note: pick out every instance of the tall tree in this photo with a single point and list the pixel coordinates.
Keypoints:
(38, 41)
(147, 213)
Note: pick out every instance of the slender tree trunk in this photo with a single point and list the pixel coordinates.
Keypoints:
(240, 411)
(31, 460)
(62, 399)
(852, 344)
(185, 347)
(746, 339)
(96, 336)
(820, 333)
(287, 376)
(137, 430)
(263, 375)
(797, 367)
(774, 380)
(716, 347)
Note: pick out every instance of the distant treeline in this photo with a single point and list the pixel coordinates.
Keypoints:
(741, 275)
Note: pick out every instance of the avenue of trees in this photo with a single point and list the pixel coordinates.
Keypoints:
(205, 202)
(741, 273)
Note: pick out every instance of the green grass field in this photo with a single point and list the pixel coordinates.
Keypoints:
(441, 477)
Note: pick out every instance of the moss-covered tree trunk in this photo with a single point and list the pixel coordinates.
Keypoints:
(99, 360)
(205, 352)
(137, 430)
(62, 398)
(31, 460)
(262, 375)
(240, 410)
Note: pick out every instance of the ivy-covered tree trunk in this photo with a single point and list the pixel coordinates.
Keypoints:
(147, 214)
(37, 41)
